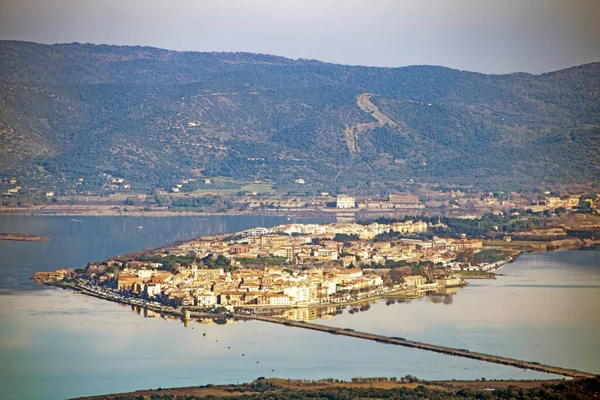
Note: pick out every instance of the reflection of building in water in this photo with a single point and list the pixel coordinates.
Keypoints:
(345, 217)
(205, 321)
(144, 311)
(223, 320)
(149, 313)
(186, 323)
(390, 301)
(448, 290)
(437, 298)
(301, 314)
(310, 314)
(327, 312)
(413, 294)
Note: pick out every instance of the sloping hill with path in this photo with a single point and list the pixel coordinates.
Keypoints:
(154, 116)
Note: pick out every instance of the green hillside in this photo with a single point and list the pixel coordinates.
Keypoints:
(155, 116)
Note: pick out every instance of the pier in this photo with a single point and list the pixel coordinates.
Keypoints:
(535, 366)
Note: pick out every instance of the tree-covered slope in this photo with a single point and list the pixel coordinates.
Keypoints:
(154, 116)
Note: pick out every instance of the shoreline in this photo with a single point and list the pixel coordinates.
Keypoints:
(186, 315)
(24, 237)
(282, 385)
(175, 312)
(80, 210)
(110, 211)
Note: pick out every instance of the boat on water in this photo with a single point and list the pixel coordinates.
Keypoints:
(140, 227)
(76, 220)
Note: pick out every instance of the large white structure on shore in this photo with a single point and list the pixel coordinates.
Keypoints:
(344, 201)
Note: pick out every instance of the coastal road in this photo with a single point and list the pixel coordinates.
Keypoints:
(429, 347)
(531, 365)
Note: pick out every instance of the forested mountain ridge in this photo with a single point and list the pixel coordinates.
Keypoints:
(153, 116)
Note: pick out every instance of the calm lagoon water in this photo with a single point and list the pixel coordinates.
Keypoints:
(55, 344)
(544, 309)
(76, 241)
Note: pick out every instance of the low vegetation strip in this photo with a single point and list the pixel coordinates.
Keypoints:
(23, 237)
(378, 388)
(364, 102)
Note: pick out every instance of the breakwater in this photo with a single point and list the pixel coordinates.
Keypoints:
(186, 314)
(531, 365)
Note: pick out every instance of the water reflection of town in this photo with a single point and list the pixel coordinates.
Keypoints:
(147, 313)
(439, 296)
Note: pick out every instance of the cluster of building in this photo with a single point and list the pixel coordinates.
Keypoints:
(14, 188)
(338, 267)
(393, 201)
(271, 286)
(307, 264)
(58, 275)
(569, 202)
(304, 243)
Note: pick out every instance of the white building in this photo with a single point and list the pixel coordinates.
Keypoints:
(153, 289)
(145, 273)
(206, 299)
(298, 294)
(329, 287)
(313, 229)
(344, 201)
(255, 232)
(274, 299)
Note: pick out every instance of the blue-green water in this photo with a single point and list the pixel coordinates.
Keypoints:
(55, 344)
(544, 309)
(78, 240)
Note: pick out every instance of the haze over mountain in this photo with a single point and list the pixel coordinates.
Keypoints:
(153, 116)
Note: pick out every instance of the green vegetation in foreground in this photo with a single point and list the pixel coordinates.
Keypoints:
(583, 389)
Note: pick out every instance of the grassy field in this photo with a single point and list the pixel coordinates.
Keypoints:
(215, 191)
(258, 188)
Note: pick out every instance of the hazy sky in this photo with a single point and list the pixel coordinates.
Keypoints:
(493, 36)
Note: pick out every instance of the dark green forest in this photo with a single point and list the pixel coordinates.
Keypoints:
(154, 116)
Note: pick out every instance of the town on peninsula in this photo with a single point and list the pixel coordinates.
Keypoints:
(287, 266)
(294, 273)
(301, 266)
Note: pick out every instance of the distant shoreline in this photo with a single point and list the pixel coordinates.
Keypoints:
(99, 211)
(22, 237)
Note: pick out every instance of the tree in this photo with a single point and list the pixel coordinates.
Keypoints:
(466, 256)
(396, 275)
